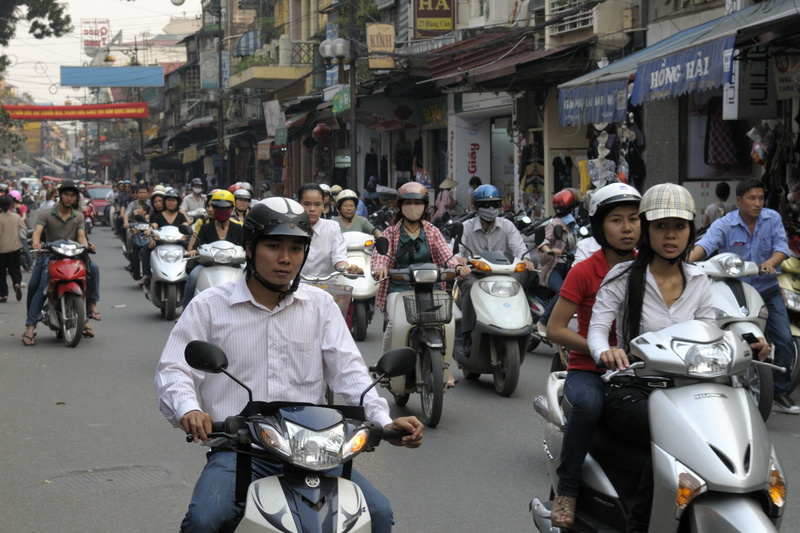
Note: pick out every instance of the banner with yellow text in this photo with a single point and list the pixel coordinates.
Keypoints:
(77, 112)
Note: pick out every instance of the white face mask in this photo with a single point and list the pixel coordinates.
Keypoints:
(197, 190)
(413, 213)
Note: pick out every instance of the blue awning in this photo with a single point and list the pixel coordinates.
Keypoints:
(248, 44)
(584, 99)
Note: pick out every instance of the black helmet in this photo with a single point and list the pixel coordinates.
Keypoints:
(277, 216)
(69, 185)
(172, 193)
(197, 181)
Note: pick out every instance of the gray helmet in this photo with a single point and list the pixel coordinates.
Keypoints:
(172, 193)
(197, 181)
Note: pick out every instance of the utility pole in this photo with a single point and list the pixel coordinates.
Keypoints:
(220, 107)
(352, 183)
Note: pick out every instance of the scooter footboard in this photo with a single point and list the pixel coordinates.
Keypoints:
(320, 501)
(731, 514)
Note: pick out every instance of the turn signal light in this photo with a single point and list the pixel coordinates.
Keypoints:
(777, 487)
(520, 267)
(480, 265)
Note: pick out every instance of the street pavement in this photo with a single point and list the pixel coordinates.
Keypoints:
(85, 448)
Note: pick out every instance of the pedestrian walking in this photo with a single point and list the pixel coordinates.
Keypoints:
(11, 226)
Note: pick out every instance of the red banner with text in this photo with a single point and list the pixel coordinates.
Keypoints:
(77, 112)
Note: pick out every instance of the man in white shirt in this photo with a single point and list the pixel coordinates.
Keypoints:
(196, 200)
(291, 340)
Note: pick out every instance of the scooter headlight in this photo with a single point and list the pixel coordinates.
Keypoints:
(222, 256)
(427, 275)
(503, 289)
(733, 265)
(792, 300)
(170, 255)
(306, 448)
(69, 249)
(705, 360)
(690, 486)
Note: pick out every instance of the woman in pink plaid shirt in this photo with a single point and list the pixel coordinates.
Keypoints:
(418, 241)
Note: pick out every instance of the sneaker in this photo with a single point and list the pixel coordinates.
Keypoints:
(784, 404)
(541, 329)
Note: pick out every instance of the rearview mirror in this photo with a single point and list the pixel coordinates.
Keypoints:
(204, 356)
(382, 245)
(558, 232)
(186, 229)
(397, 362)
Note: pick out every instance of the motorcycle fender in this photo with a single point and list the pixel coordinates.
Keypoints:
(267, 507)
(505, 313)
(214, 276)
(716, 431)
(729, 513)
(739, 302)
(69, 286)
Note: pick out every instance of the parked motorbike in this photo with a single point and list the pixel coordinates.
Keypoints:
(789, 280)
(64, 308)
(714, 465)
(740, 308)
(422, 321)
(307, 440)
(140, 241)
(168, 264)
(503, 321)
(359, 252)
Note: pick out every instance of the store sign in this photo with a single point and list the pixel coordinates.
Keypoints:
(590, 104)
(751, 93)
(341, 101)
(695, 69)
(786, 73)
(95, 35)
(77, 112)
(380, 44)
(433, 18)
(281, 136)
(273, 116)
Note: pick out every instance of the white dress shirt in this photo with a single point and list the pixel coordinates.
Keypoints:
(327, 248)
(503, 237)
(286, 354)
(694, 303)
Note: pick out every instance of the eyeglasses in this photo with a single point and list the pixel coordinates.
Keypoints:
(489, 204)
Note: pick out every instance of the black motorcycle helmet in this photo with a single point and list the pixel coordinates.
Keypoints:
(275, 216)
(69, 185)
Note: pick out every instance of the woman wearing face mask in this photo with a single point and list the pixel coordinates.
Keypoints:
(222, 229)
(422, 242)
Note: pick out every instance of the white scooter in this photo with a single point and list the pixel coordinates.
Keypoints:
(359, 252)
(740, 308)
(168, 265)
(503, 322)
(307, 440)
(222, 261)
(714, 465)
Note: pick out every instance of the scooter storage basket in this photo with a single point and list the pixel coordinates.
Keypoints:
(440, 310)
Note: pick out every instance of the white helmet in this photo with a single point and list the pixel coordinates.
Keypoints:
(613, 194)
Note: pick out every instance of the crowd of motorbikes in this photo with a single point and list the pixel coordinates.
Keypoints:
(714, 465)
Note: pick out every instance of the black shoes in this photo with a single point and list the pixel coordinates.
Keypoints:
(784, 404)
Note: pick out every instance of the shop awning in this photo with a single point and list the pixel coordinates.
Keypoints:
(247, 44)
(695, 59)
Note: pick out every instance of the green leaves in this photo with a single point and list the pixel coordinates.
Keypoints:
(48, 18)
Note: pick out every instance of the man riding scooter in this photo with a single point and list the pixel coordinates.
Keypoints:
(487, 232)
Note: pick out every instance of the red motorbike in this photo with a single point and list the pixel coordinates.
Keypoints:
(88, 215)
(65, 306)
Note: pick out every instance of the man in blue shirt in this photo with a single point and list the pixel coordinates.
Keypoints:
(756, 234)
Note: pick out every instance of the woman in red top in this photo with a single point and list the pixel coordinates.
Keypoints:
(614, 215)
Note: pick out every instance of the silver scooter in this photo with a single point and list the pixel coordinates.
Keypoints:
(168, 264)
(222, 262)
(714, 466)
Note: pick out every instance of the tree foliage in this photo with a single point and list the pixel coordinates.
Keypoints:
(47, 18)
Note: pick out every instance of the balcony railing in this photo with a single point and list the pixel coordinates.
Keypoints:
(302, 53)
(577, 21)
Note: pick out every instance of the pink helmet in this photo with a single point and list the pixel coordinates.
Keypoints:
(16, 195)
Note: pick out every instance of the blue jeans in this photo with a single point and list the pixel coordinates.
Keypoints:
(191, 285)
(584, 390)
(40, 279)
(779, 333)
(214, 496)
(554, 282)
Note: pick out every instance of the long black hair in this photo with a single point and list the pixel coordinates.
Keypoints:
(637, 273)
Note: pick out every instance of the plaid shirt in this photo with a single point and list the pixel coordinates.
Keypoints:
(440, 254)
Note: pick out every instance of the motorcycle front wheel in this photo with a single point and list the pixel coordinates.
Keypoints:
(73, 317)
(759, 385)
(432, 387)
(795, 368)
(506, 372)
(359, 321)
(170, 301)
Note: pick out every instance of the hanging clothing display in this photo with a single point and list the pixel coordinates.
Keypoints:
(602, 172)
(562, 173)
